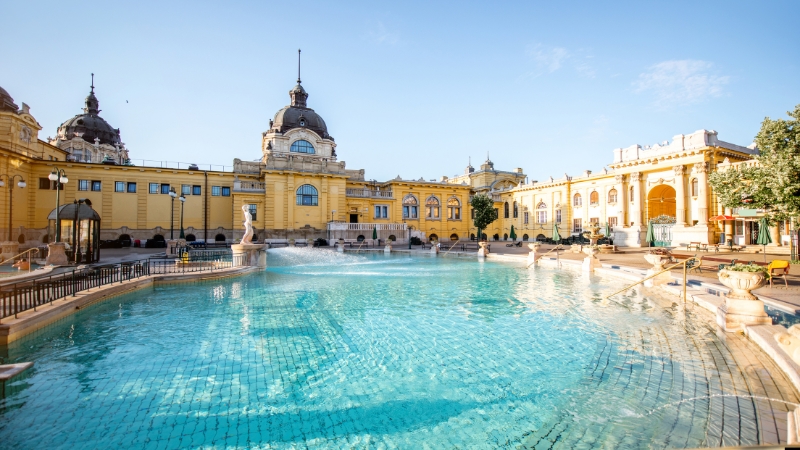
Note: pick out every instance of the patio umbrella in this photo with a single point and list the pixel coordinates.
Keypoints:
(512, 235)
(374, 232)
(721, 218)
(651, 234)
(763, 235)
(556, 236)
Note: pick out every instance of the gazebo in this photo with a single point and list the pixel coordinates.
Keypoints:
(79, 223)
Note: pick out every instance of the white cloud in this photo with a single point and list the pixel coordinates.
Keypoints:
(548, 59)
(380, 35)
(680, 82)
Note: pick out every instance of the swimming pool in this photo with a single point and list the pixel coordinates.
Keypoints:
(336, 350)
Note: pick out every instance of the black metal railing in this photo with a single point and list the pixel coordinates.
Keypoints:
(25, 295)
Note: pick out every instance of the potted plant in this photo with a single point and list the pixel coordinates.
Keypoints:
(743, 278)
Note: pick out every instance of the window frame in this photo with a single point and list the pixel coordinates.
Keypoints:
(84, 185)
(186, 189)
(252, 208)
(308, 197)
(594, 198)
(129, 185)
(453, 208)
(612, 196)
(153, 188)
(577, 225)
(216, 191)
(164, 188)
(410, 207)
(297, 144)
(433, 208)
(226, 191)
(577, 200)
(119, 186)
(197, 189)
(381, 211)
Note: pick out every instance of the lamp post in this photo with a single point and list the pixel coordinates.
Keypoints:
(172, 194)
(21, 183)
(60, 177)
(182, 199)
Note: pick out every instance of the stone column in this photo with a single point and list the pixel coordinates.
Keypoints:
(622, 198)
(701, 169)
(774, 233)
(728, 226)
(636, 208)
(680, 196)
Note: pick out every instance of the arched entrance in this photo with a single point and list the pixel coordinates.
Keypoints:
(661, 214)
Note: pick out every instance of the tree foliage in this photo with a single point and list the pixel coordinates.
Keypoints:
(484, 212)
(774, 183)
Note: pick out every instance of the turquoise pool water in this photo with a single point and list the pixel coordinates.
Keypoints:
(324, 350)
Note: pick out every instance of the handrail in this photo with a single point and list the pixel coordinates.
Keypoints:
(557, 247)
(26, 251)
(684, 263)
(451, 247)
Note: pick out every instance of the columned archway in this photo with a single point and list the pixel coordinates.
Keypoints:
(661, 202)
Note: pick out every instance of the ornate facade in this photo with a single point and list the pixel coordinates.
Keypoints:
(301, 189)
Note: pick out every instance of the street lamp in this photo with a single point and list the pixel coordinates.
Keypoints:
(182, 199)
(21, 183)
(60, 177)
(172, 194)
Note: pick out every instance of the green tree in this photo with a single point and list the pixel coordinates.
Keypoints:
(774, 183)
(484, 212)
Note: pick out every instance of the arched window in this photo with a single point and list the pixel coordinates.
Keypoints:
(694, 187)
(392, 238)
(307, 195)
(505, 236)
(453, 208)
(433, 237)
(505, 210)
(630, 194)
(472, 236)
(516, 210)
(453, 237)
(594, 198)
(190, 237)
(219, 238)
(360, 238)
(432, 208)
(496, 237)
(301, 146)
(577, 200)
(525, 237)
(541, 212)
(612, 196)
(410, 207)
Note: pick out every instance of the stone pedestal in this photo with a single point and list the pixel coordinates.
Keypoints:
(534, 255)
(483, 249)
(253, 255)
(591, 262)
(388, 247)
(174, 244)
(741, 307)
(56, 255)
(658, 262)
(10, 249)
(340, 246)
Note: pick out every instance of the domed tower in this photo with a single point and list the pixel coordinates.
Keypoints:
(6, 102)
(89, 138)
(297, 133)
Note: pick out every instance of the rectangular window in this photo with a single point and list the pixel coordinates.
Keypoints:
(226, 191)
(577, 225)
(612, 222)
(186, 189)
(83, 185)
(558, 216)
(45, 183)
(165, 189)
(131, 187)
(154, 188)
(96, 185)
(196, 190)
(525, 217)
(472, 213)
(119, 186)
(253, 211)
(542, 216)
(595, 221)
(381, 212)
(215, 190)
(739, 228)
(496, 213)
(410, 212)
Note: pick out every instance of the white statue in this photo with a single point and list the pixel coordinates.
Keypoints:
(248, 226)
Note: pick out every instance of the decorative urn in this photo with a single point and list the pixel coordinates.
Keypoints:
(741, 283)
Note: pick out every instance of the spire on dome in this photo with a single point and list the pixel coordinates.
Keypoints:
(92, 105)
(298, 94)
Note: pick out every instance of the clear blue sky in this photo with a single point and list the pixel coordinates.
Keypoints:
(409, 88)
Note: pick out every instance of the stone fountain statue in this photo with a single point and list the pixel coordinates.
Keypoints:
(248, 226)
(591, 262)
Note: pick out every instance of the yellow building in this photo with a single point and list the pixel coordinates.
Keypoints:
(300, 189)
